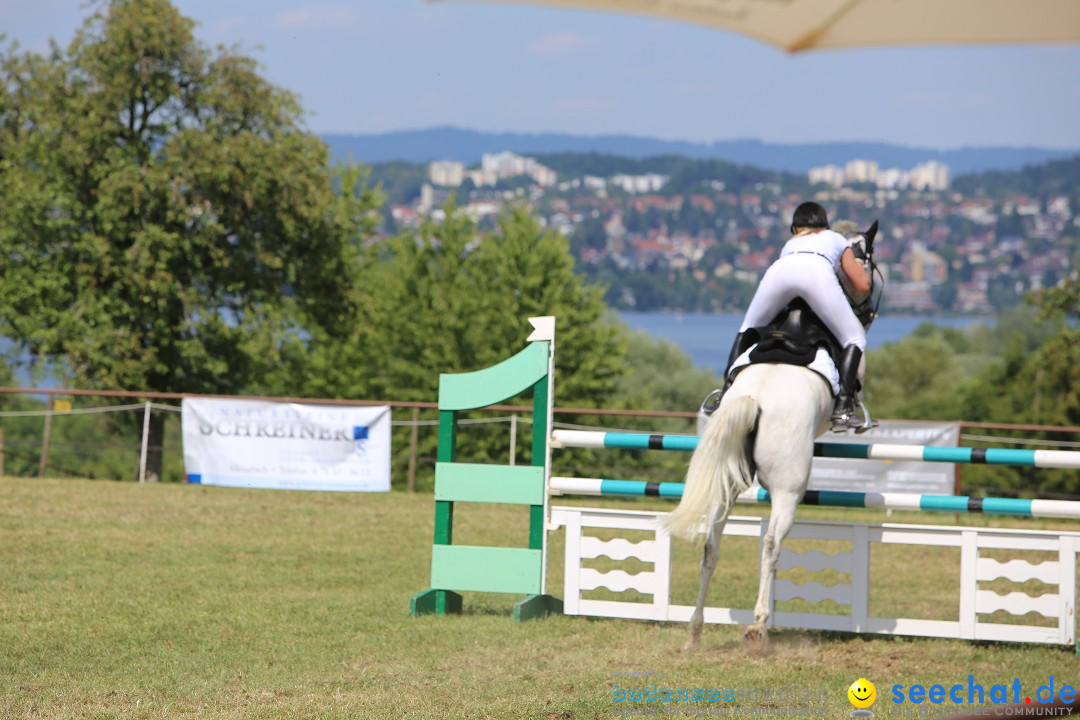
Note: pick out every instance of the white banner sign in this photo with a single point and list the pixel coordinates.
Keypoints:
(285, 446)
(900, 476)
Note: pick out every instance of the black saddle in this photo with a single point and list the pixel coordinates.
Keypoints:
(793, 337)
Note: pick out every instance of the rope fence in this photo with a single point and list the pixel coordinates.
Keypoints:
(112, 440)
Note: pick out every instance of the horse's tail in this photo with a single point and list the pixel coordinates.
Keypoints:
(719, 468)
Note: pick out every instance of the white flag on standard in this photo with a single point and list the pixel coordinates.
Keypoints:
(286, 446)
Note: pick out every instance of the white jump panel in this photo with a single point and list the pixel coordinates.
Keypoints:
(1058, 603)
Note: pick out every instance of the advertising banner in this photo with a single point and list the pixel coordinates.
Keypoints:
(901, 476)
(286, 446)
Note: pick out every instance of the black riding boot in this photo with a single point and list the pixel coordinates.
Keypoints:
(844, 412)
(743, 342)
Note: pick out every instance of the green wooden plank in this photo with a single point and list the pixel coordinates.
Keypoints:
(447, 436)
(473, 482)
(493, 385)
(485, 569)
(536, 526)
(444, 523)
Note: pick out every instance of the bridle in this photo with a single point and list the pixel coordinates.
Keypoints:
(866, 310)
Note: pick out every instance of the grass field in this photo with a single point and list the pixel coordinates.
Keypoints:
(170, 601)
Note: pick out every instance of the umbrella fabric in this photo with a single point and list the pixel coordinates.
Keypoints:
(796, 25)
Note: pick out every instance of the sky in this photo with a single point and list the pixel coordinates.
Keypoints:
(374, 66)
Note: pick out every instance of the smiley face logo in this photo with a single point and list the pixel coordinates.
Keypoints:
(862, 693)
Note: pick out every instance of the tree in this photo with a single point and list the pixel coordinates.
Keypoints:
(914, 378)
(449, 299)
(167, 223)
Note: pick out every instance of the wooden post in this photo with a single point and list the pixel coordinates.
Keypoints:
(413, 435)
(145, 442)
(45, 439)
(513, 438)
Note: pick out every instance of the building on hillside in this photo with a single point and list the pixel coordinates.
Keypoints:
(930, 175)
(827, 174)
(543, 175)
(431, 199)
(909, 296)
(861, 171)
(504, 164)
(597, 184)
(496, 166)
(892, 179)
(446, 173)
(924, 266)
(635, 184)
(971, 298)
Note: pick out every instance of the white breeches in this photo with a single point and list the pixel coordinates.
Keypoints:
(813, 279)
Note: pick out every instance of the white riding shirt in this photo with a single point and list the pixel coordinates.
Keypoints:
(807, 268)
(830, 245)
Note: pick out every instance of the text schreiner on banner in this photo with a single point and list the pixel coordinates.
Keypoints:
(286, 446)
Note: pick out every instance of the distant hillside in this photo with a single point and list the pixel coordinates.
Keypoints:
(421, 146)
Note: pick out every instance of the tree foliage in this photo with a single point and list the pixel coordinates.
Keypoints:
(1054, 177)
(1026, 369)
(450, 299)
(168, 224)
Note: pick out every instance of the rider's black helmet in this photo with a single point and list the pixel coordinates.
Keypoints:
(809, 215)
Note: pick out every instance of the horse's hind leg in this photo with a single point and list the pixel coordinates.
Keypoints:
(780, 520)
(709, 558)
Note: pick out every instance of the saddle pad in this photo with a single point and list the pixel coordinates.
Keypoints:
(822, 364)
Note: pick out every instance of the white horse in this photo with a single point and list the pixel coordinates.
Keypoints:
(766, 422)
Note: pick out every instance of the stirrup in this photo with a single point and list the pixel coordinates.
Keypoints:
(708, 407)
(712, 400)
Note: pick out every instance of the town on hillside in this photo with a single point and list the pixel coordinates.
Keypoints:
(676, 233)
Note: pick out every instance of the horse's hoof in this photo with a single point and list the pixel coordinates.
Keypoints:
(756, 639)
(691, 645)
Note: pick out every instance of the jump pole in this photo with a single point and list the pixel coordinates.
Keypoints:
(1064, 459)
(1016, 507)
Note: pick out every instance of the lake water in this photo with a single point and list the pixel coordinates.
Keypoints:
(707, 337)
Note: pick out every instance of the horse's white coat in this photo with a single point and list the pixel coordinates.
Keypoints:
(791, 406)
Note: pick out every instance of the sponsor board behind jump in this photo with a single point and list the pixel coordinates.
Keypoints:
(286, 446)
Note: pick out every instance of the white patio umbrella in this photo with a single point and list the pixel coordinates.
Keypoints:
(797, 25)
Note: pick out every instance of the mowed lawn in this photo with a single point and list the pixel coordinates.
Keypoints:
(168, 601)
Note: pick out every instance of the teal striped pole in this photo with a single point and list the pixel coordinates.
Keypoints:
(1064, 459)
(1016, 507)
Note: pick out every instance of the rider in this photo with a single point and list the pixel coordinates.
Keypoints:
(807, 268)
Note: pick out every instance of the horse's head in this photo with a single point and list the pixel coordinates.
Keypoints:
(862, 244)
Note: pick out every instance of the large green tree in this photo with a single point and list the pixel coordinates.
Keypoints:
(167, 223)
(1039, 385)
(448, 298)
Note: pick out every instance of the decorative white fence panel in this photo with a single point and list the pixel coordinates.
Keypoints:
(1060, 574)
